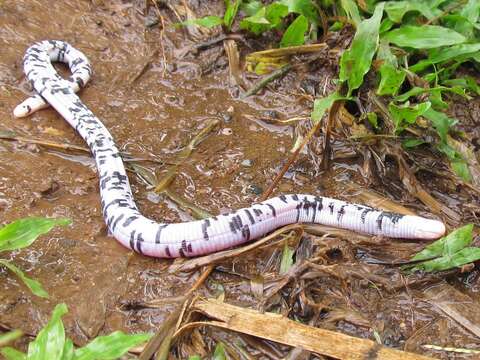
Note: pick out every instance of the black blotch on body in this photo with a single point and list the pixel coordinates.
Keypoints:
(341, 212)
(331, 206)
(274, 212)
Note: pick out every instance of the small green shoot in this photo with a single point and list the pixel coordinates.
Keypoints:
(449, 252)
(356, 61)
(52, 344)
(287, 259)
(23, 233)
(213, 20)
(219, 353)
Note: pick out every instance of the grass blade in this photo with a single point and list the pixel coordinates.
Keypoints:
(34, 286)
(24, 232)
(50, 341)
(424, 37)
(9, 336)
(356, 61)
(12, 354)
(110, 346)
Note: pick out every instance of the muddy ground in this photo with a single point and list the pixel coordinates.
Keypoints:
(154, 116)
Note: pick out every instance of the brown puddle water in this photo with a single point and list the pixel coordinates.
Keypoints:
(154, 116)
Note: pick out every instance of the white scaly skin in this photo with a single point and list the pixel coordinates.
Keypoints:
(192, 238)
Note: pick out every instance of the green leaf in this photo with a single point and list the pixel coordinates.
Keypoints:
(50, 341)
(207, 21)
(10, 336)
(320, 106)
(219, 353)
(356, 61)
(68, 350)
(373, 120)
(412, 92)
(441, 122)
(460, 258)
(351, 9)
(195, 357)
(23, 232)
(403, 115)
(110, 346)
(268, 17)
(391, 78)
(231, 12)
(12, 354)
(250, 8)
(411, 143)
(469, 83)
(302, 7)
(397, 9)
(447, 245)
(287, 259)
(34, 286)
(471, 11)
(295, 33)
(460, 167)
(436, 56)
(424, 37)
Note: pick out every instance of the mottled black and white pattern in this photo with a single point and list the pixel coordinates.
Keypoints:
(192, 238)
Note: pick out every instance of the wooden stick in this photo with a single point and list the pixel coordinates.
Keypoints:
(280, 329)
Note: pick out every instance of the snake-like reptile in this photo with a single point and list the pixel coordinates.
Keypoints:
(191, 238)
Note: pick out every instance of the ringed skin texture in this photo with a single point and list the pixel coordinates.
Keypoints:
(193, 238)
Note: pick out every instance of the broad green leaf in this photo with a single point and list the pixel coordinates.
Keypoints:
(34, 286)
(287, 259)
(231, 12)
(320, 106)
(302, 7)
(441, 122)
(411, 143)
(412, 92)
(9, 336)
(207, 21)
(460, 167)
(50, 341)
(356, 61)
(68, 350)
(424, 37)
(469, 83)
(268, 17)
(403, 115)
(251, 8)
(195, 357)
(415, 91)
(12, 354)
(446, 54)
(351, 9)
(436, 99)
(23, 232)
(391, 78)
(471, 10)
(460, 258)
(219, 353)
(110, 346)
(397, 9)
(386, 25)
(295, 33)
(460, 24)
(447, 245)
(373, 120)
